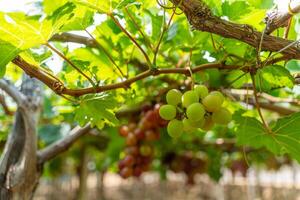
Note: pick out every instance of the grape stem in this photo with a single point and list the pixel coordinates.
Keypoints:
(69, 62)
(257, 104)
(190, 69)
(165, 28)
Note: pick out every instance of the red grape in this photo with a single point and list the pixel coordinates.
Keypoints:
(139, 134)
(133, 150)
(137, 171)
(121, 164)
(126, 172)
(123, 131)
(131, 126)
(150, 135)
(129, 160)
(131, 140)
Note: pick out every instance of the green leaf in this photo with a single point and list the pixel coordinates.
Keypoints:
(51, 5)
(284, 136)
(215, 6)
(82, 17)
(293, 66)
(7, 53)
(236, 78)
(104, 7)
(236, 9)
(65, 10)
(287, 134)
(272, 77)
(214, 164)
(125, 3)
(98, 111)
(252, 132)
(172, 31)
(157, 23)
(25, 32)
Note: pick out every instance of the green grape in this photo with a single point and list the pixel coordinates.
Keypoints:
(213, 101)
(189, 97)
(201, 90)
(167, 112)
(145, 150)
(195, 112)
(187, 126)
(175, 128)
(222, 116)
(218, 93)
(208, 123)
(197, 124)
(173, 97)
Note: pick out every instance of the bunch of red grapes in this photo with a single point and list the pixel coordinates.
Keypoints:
(139, 135)
(187, 163)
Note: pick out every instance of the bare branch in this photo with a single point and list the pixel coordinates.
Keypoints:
(5, 106)
(70, 37)
(263, 104)
(62, 145)
(13, 92)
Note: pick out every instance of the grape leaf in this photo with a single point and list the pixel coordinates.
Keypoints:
(125, 3)
(51, 5)
(252, 132)
(157, 22)
(214, 164)
(98, 111)
(287, 133)
(7, 53)
(284, 136)
(272, 77)
(293, 66)
(236, 9)
(25, 32)
(104, 7)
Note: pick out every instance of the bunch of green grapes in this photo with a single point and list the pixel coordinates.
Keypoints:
(194, 109)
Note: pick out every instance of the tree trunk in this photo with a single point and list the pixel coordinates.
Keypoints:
(19, 173)
(100, 185)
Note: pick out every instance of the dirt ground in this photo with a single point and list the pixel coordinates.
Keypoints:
(149, 187)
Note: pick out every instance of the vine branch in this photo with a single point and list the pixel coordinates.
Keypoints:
(5, 107)
(165, 28)
(13, 92)
(202, 19)
(277, 19)
(62, 145)
(258, 105)
(57, 86)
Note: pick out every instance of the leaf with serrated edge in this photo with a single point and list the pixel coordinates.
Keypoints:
(285, 136)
